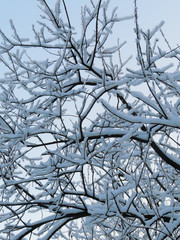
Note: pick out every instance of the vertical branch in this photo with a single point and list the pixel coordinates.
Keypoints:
(138, 39)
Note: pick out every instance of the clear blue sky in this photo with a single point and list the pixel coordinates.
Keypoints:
(25, 13)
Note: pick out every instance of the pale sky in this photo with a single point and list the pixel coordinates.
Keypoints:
(24, 13)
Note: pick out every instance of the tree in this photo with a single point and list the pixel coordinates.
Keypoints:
(88, 149)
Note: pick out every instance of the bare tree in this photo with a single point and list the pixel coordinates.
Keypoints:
(88, 150)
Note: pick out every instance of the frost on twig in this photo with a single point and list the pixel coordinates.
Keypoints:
(88, 149)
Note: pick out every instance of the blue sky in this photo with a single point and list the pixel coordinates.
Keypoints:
(25, 13)
(150, 13)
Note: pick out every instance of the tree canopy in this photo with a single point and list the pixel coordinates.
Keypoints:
(89, 149)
